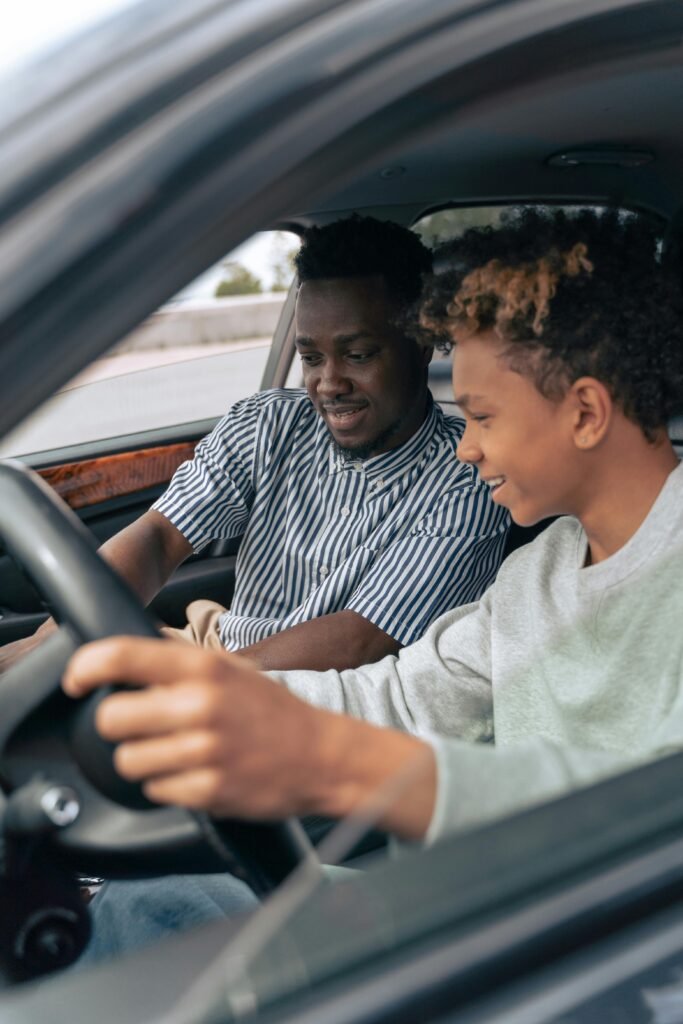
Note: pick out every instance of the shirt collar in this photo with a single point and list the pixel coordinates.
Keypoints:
(392, 464)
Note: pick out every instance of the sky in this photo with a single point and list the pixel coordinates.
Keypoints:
(30, 26)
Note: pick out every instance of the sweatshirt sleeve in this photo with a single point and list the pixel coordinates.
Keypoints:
(477, 784)
(440, 684)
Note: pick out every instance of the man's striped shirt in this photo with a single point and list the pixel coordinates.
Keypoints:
(398, 538)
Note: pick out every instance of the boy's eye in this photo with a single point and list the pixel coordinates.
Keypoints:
(480, 417)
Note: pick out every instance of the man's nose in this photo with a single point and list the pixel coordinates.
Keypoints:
(332, 382)
(469, 450)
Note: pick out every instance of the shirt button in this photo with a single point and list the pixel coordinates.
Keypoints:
(324, 570)
(346, 511)
(358, 466)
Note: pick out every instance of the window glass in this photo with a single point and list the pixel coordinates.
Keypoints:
(438, 227)
(434, 229)
(191, 360)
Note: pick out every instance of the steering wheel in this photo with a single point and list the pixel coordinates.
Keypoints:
(48, 739)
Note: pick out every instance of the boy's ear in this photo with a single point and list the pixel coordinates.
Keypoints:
(592, 409)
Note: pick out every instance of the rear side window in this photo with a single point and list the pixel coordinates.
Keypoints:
(434, 229)
(440, 226)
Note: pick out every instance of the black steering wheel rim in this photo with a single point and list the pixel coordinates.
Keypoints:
(57, 552)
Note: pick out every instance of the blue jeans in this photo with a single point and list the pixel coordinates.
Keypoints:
(129, 915)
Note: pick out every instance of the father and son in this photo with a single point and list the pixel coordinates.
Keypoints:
(369, 581)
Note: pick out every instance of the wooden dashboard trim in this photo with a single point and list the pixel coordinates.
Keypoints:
(86, 483)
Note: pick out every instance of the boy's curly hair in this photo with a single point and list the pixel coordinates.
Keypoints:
(571, 295)
(364, 247)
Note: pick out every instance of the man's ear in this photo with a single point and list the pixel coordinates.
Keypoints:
(592, 409)
(427, 350)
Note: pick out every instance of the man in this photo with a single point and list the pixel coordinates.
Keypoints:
(568, 363)
(360, 526)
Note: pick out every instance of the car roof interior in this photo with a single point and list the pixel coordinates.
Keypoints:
(606, 133)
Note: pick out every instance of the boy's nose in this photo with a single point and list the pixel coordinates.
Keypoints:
(468, 450)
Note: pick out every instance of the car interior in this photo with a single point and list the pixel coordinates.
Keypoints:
(589, 115)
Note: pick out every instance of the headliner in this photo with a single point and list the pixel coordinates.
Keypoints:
(498, 148)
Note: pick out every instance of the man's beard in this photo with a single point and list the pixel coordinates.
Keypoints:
(370, 448)
(362, 451)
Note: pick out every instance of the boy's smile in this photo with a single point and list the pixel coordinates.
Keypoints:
(495, 483)
(521, 443)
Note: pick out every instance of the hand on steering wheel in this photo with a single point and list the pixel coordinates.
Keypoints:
(118, 832)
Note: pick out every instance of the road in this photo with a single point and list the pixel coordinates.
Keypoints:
(141, 391)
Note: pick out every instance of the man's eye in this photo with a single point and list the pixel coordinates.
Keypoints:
(309, 360)
(359, 357)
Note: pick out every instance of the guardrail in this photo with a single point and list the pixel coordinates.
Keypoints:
(207, 321)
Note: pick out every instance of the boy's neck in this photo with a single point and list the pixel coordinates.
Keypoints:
(626, 481)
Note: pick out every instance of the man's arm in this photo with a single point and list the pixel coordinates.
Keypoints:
(144, 554)
(341, 640)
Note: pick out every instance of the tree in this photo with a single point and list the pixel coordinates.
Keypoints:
(238, 280)
(283, 262)
(451, 223)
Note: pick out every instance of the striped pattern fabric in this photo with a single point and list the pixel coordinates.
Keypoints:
(398, 538)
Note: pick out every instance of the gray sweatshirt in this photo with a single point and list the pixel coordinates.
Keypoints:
(574, 672)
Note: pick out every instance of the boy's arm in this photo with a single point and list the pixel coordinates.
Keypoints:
(440, 684)
(208, 731)
(478, 783)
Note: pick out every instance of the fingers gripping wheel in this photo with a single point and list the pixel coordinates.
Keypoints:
(91, 602)
(262, 855)
(95, 756)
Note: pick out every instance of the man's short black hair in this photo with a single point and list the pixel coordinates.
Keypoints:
(366, 247)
